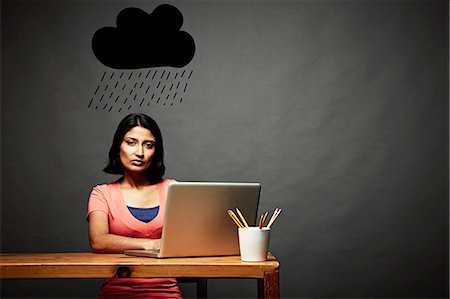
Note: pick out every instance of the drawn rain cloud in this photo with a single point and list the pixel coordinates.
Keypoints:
(143, 51)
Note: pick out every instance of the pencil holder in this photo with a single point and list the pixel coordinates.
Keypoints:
(254, 243)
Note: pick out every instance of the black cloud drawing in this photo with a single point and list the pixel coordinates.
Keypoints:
(143, 40)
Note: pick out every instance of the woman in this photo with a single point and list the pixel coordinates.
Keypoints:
(128, 213)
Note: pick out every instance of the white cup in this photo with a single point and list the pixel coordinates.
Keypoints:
(254, 243)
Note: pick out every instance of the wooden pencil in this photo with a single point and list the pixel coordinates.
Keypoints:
(265, 216)
(242, 217)
(274, 217)
(261, 221)
(234, 218)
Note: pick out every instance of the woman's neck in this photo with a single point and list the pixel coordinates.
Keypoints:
(134, 181)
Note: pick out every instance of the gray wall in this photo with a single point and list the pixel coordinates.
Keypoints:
(339, 109)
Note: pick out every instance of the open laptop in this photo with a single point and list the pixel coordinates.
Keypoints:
(196, 222)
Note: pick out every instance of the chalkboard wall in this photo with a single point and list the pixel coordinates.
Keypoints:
(339, 108)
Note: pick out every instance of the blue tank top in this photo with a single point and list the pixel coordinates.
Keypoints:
(144, 214)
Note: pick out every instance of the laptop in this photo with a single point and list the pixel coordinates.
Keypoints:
(196, 222)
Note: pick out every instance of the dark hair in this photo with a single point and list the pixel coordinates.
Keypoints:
(156, 169)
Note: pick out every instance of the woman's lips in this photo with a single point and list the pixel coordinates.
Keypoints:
(137, 162)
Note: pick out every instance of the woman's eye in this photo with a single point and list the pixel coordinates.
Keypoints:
(149, 144)
(130, 142)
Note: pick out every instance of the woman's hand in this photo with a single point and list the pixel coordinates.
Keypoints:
(153, 244)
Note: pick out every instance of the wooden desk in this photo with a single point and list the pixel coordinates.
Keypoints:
(95, 265)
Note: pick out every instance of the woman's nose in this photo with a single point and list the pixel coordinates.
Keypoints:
(140, 151)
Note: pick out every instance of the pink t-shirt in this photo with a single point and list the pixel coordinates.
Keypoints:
(108, 198)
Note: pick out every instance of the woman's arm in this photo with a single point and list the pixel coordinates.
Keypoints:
(102, 241)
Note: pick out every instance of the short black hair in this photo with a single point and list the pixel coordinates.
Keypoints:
(156, 169)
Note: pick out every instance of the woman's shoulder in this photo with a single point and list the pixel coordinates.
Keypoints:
(168, 181)
(106, 186)
(165, 182)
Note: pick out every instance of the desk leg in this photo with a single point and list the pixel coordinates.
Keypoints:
(268, 287)
(202, 288)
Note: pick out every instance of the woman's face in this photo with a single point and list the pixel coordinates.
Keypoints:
(137, 149)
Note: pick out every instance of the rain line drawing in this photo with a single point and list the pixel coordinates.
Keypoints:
(146, 54)
(170, 90)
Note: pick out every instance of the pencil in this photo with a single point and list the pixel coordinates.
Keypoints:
(274, 217)
(242, 217)
(265, 216)
(235, 219)
(261, 221)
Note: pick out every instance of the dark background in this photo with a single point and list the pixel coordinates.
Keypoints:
(339, 108)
